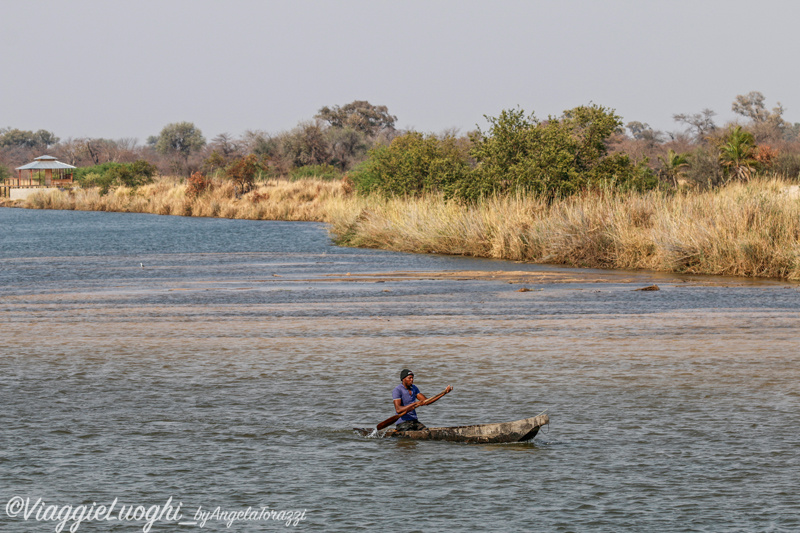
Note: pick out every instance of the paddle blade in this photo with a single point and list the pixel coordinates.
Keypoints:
(388, 421)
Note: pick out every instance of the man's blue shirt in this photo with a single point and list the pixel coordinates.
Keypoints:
(401, 393)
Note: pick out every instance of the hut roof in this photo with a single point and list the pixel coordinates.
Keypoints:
(44, 162)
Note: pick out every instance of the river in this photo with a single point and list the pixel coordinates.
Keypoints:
(224, 363)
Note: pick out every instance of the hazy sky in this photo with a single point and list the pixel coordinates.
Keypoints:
(126, 68)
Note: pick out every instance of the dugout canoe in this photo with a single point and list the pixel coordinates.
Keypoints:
(516, 431)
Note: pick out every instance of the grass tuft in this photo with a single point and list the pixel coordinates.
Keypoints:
(743, 229)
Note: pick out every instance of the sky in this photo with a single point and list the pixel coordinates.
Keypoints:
(125, 69)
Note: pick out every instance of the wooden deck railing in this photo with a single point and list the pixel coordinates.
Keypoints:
(22, 182)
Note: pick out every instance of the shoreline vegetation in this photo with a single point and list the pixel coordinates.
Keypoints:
(749, 229)
(580, 189)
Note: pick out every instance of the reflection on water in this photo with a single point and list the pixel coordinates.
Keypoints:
(230, 369)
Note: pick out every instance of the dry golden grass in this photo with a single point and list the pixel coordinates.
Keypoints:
(272, 200)
(750, 229)
(741, 230)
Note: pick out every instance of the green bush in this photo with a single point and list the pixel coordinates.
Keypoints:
(704, 168)
(80, 173)
(109, 174)
(4, 173)
(413, 164)
(323, 172)
(94, 179)
(132, 174)
(558, 157)
(554, 158)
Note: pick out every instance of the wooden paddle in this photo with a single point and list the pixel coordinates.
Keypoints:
(391, 420)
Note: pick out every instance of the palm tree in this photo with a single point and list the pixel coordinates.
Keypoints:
(737, 154)
(673, 165)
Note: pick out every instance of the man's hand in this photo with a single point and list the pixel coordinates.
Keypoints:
(428, 401)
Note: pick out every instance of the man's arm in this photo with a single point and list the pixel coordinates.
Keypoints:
(403, 409)
(421, 397)
(425, 401)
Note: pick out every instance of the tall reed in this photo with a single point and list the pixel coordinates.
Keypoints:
(743, 229)
(748, 229)
(272, 200)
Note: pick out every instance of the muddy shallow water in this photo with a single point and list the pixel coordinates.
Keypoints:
(223, 363)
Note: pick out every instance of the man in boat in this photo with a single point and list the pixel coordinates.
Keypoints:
(407, 398)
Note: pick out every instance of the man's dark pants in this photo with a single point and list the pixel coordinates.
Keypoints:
(410, 425)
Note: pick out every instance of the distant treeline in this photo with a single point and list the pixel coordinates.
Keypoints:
(587, 146)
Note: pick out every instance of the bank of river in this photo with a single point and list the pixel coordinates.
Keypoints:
(223, 363)
(749, 230)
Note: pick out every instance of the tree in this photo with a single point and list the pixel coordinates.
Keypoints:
(590, 127)
(270, 150)
(359, 115)
(225, 145)
(223, 149)
(766, 125)
(243, 172)
(261, 143)
(69, 151)
(213, 162)
(413, 164)
(751, 105)
(180, 138)
(5, 173)
(347, 146)
(92, 148)
(101, 150)
(23, 138)
(792, 131)
(737, 153)
(134, 174)
(673, 165)
(700, 124)
(307, 145)
(554, 158)
(500, 151)
(643, 132)
(46, 138)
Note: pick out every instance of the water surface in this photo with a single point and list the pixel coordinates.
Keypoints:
(224, 363)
